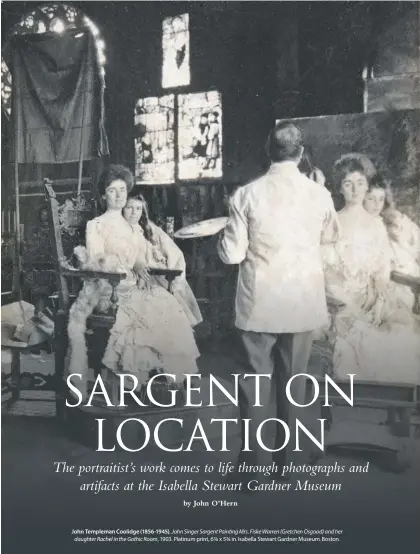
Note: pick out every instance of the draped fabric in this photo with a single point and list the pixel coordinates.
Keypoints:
(57, 93)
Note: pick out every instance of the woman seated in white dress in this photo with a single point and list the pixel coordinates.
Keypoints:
(404, 237)
(152, 330)
(373, 340)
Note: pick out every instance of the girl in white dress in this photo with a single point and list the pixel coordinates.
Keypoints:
(404, 237)
(373, 340)
(162, 252)
(152, 331)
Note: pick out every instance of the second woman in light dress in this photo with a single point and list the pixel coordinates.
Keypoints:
(374, 340)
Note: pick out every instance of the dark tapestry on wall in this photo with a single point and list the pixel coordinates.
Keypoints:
(57, 92)
(390, 139)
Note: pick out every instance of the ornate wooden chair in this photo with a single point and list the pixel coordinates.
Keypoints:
(65, 271)
(98, 324)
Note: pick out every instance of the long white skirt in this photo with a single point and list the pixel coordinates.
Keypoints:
(152, 332)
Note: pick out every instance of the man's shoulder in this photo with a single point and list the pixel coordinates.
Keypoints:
(252, 185)
(245, 192)
(316, 190)
(312, 189)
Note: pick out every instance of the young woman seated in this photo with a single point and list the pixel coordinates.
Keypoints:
(152, 331)
(161, 252)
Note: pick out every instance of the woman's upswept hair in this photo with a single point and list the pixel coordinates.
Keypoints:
(115, 172)
(350, 163)
(144, 221)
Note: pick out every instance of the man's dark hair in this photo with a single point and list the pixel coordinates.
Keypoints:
(284, 142)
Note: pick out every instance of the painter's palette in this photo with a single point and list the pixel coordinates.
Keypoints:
(202, 229)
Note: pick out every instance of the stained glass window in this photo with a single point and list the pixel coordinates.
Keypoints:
(200, 135)
(50, 17)
(154, 140)
(6, 88)
(178, 137)
(176, 51)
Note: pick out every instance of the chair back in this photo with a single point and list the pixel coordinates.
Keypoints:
(59, 258)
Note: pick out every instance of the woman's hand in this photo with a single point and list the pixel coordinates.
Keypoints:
(143, 274)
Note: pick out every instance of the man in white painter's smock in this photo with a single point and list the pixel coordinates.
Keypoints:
(276, 227)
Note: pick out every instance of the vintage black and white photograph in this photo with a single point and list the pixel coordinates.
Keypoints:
(210, 275)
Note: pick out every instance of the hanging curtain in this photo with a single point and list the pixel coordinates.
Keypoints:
(58, 102)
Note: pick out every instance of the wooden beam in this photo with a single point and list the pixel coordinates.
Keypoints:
(57, 182)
